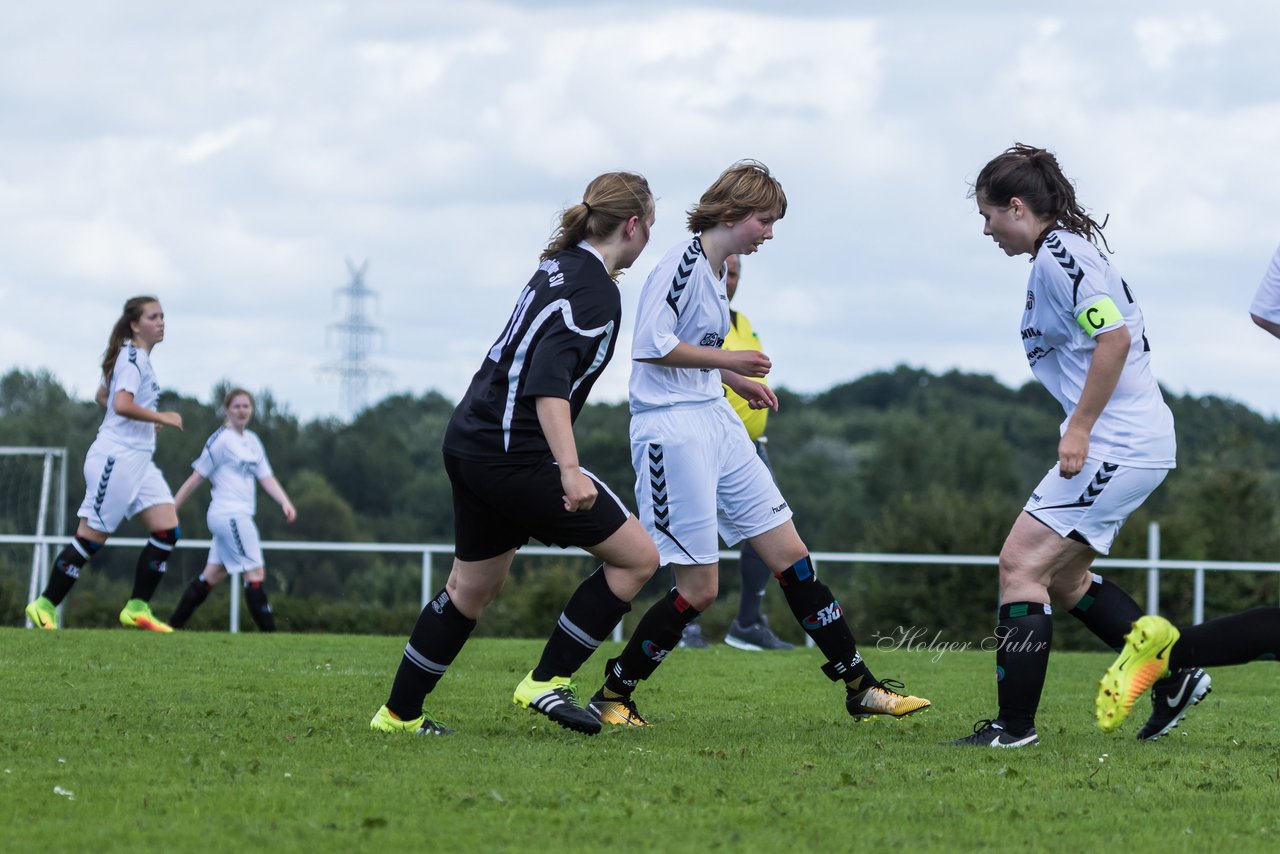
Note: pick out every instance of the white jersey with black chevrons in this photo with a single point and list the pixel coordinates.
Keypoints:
(1071, 280)
(233, 463)
(683, 300)
(132, 373)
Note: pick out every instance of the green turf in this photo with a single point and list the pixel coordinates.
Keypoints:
(212, 742)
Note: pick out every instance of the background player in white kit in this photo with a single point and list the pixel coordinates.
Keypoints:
(513, 466)
(235, 461)
(697, 473)
(1085, 342)
(121, 481)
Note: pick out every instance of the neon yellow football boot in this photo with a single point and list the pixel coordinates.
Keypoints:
(1144, 659)
(137, 614)
(43, 614)
(424, 724)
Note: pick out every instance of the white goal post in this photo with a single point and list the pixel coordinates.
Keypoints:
(33, 488)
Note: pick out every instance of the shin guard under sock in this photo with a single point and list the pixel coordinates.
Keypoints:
(1107, 611)
(1024, 635)
(259, 607)
(193, 597)
(654, 637)
(152, 563)
(437, 638)
(819, 613)
(1251, 635)
(586, 621)
(67, 566)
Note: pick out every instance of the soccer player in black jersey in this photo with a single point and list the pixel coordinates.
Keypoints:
(511, 458)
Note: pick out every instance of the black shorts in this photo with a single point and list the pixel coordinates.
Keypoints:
(499, 506)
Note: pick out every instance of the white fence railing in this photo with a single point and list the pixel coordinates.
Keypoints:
(1153, 563)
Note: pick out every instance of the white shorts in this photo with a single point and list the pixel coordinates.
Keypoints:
(1092, 506)
(119, 483)
(697, 473)
(236, 544)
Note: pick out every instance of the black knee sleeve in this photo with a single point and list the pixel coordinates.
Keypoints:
(259, 607)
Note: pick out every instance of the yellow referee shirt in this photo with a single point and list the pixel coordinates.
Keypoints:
(742, 337)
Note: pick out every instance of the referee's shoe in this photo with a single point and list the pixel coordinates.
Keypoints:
(556, 699)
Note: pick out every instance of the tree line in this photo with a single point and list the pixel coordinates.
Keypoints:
(894, 461)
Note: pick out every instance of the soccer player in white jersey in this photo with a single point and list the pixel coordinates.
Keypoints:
(1155, 648)
(697, 473)
(235, 462)
(1266, 302)
(121, 481)
(513, 464)
(1086, 343)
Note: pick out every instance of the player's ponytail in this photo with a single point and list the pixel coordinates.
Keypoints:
(1034, 176)
(608, 202)
(122, 332)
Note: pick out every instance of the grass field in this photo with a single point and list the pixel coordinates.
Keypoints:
(113, 740)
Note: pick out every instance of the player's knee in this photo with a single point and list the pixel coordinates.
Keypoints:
(472, 595)
(646, 561)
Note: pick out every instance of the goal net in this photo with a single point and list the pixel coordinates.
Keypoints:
(33, 503)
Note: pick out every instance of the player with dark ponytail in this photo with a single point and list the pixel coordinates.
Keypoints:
(1086, 342)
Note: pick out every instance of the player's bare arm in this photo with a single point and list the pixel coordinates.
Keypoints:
(272, 487)
(748, 363)
(189, 486)
(553, 415)
(756, 394)
(1104, 373)
(126, 407)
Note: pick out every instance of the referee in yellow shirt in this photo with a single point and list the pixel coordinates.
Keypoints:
(750, 629)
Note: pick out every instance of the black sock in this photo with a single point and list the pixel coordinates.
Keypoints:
(820, 615)
(1107, 611)
(655, 636)
(193, 597)
(755, 578)
(66, 568)
(152, 562)
(1024, 634)
(586, 621)
(437, 638)
(1252, 635)
(259, 607)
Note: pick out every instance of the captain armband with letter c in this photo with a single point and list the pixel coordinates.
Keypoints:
(1102, 316)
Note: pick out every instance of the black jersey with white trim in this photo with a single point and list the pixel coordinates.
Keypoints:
(557, 342)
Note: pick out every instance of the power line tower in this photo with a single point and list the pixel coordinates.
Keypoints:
(356, 336)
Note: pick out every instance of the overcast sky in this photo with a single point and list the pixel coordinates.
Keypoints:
(229, 157)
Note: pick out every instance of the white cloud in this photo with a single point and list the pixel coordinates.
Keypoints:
(231, 156)
(1161, 40)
